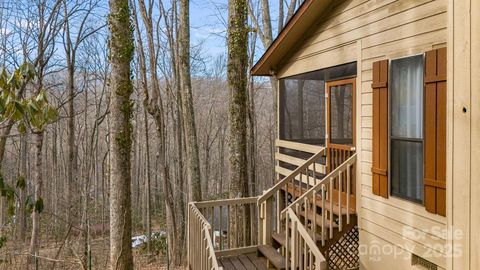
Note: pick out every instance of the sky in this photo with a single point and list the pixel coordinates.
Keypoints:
(208, 20)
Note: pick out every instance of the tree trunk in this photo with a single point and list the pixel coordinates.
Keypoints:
(193, 161)
(71, 146)
(22, 219)
(34, 241)
(121, 53)
(237, 85)
(147, 185)
(172, 237)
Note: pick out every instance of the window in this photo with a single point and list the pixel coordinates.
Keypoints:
(406, 127)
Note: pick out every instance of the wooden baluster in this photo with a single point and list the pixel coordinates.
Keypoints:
(307, 210)
(348, 193)
(212, 216)
(228, 227)
(301, 250)
(287, 242)
(324, 213)
(221, 227)
(314, 211)
(293, 189)
(305, 254)
(331, 207)
(278, 211)
(202, 250)
(340, 184)
(308, 178)
(300, 184)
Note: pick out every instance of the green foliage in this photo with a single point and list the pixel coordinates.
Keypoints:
(3, 240)
(34, 112)
(21, 182)
(8, 193)
(39, 205)
(29, 204)
(158, 244)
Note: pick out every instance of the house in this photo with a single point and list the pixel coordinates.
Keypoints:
(378, 147)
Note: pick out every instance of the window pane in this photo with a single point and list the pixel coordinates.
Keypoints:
(407, 97)
(407, 169)
(341, 114)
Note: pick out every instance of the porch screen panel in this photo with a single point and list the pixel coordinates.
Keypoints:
(435, 131)
(302, 103)
(380, 128)
(341, 114)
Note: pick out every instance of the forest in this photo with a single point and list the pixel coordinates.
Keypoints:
(113, 118)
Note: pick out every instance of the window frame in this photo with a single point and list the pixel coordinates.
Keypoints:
(390, 137)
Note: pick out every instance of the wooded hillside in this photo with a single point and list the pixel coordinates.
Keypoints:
(82, 153)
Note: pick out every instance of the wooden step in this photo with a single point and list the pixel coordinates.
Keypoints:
(294, 190)
(273, 257)
(280, 238)
(318, 219)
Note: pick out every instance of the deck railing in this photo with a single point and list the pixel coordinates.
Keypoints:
(201, 254)
(298, 181)
(332, 194)
(301, 250)
(228, 226)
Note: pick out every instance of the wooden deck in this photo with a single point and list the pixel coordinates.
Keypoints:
(248, 261)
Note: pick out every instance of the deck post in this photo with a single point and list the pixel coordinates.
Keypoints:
(267, 221)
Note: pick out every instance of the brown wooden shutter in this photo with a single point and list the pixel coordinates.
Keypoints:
(380, 128)
(435, 131)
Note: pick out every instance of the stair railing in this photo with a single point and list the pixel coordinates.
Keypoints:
(201, 254)
(296, 183)
(301, 250)
(333, 191)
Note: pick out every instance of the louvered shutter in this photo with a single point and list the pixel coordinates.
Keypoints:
(435, 131)
(380, 128)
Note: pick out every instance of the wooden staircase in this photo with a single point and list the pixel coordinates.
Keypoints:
(322, 209)
(305, 221)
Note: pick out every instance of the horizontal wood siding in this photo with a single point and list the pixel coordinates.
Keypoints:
(385, 29)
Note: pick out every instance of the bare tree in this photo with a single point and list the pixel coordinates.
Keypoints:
(237, 87)
(193, 162)
(154, 105)
(121, 54)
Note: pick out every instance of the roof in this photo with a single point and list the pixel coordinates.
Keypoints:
(306, 15)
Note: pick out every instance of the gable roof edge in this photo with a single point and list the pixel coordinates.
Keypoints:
(304, 18)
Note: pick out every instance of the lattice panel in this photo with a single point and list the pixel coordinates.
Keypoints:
(344, 253)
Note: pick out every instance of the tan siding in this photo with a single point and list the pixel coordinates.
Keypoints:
(463, 131)
(385, 29)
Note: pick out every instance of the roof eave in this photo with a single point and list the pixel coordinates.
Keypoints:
(305, 16)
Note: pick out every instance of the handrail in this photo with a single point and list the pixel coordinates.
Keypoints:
(221, 215)
(201, 254)
(301, 250)
(300, 169)
(225, 202)
(307, 201)
(333, 174)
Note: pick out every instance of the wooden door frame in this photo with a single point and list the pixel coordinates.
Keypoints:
(328, 144)
(352, 81)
